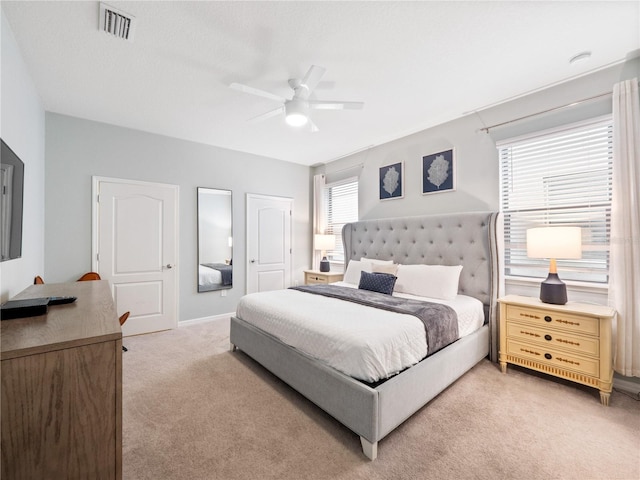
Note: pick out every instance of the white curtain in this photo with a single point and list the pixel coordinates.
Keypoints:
(319, 216)
(624, 274)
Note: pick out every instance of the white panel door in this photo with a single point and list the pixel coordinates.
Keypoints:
(136, 250)
(268, 243)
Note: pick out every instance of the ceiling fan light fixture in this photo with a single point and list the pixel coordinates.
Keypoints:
(296, 110)
(296, 113)
(297, 120)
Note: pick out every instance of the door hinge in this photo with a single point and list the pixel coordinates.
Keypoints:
(97, 257)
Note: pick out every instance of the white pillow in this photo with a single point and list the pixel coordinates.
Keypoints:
(434, 281)
(377, 262)
(352, 274)
(384, 268)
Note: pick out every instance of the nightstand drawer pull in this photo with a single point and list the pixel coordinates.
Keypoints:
(528, 315)
(547, 318)
(567, 322)
(529, 333)
(529, 351)
(548, 338)
(567, 361)
(548, 356)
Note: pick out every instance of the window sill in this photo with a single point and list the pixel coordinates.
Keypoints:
(585, 287)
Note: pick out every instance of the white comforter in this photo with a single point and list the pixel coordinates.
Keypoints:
(208, 277)
(363, 342)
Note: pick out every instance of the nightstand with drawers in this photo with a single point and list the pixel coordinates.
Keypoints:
(571, 341)
(315, 276)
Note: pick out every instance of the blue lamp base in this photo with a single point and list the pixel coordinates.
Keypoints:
(553, 290)
(325, 266)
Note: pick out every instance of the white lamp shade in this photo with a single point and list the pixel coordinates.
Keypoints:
(324, 242)
(554, 242)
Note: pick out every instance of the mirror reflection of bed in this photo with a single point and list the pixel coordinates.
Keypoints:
(215, 240)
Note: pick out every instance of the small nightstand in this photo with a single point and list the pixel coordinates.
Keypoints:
(571, 341)
(316, 276)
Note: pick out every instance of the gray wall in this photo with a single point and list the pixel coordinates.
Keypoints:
(476, 163)
(77, 149)
(22, 128)
(476, 156)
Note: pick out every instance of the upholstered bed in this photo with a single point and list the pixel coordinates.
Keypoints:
(372, 410)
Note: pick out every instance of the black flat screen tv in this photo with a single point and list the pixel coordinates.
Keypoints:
(12, 188)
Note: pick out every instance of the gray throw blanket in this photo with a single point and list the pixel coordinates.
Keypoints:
(440, 321)
(225, 270)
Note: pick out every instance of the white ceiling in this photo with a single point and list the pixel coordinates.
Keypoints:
(414, 64)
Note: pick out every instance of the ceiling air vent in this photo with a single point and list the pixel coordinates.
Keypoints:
(117, 23)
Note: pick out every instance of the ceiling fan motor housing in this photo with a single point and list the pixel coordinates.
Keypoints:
(296, 111)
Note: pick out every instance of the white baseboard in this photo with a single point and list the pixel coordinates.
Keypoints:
(213, 318)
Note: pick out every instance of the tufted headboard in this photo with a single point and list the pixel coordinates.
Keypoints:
(469, 239)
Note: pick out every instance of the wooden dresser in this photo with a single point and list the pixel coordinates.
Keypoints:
(571, 341)
(62, 387)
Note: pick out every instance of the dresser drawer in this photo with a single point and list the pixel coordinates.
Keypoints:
(556, 320)
(314, 279)
(585, 345)
(553, 357)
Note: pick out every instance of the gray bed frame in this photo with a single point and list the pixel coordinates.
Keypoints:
(468, 239)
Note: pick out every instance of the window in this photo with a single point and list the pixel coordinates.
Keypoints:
(560, 177)
(341, 206)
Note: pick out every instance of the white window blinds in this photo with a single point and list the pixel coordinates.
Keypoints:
(341, 206)
(559, 178)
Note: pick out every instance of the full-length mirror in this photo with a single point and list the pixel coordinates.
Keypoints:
(215, 240)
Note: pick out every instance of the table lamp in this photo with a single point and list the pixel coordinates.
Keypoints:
(324, 243)
(554, 243)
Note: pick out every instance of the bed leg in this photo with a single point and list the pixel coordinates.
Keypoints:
(370, 450)
(232, 347)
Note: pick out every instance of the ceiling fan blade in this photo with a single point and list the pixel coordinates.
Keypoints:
(335, 105)
(311, 79)
(265, 116)
(255, 91)
(313, 128)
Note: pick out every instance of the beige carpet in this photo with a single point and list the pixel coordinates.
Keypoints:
(193, 410)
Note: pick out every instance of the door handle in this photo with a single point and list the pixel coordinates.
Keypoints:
(253, 260)
(169, 266)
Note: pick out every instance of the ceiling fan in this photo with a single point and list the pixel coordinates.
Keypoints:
(296, 109)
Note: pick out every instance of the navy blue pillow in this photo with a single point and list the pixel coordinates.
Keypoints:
(377, 282)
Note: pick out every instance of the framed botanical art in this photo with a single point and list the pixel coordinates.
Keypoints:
(438, 172)
(391, 181)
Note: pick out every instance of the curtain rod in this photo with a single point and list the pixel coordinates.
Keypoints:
(486, 129)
